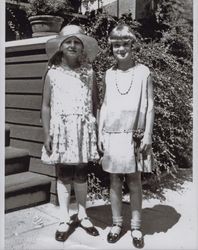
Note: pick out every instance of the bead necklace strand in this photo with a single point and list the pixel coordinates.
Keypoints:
(131, 83)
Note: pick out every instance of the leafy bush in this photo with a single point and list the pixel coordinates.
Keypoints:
(165, 46)
(17, 24)
(48, 7)
(168, 53)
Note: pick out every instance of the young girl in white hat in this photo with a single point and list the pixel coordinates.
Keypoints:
(126, 116)
(69, 102)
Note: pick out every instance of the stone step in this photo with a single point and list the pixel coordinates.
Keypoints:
(7, 135)
(16, 160)
(26, 189)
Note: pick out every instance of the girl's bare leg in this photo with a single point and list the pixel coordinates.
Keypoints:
(116, 195)
(116, 207)
(135, 188)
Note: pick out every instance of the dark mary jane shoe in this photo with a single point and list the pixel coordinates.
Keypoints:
(90, 230)
(138, 242)
(62, 236)
(114, 237)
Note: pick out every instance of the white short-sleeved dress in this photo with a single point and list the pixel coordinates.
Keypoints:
(72, 124)
(126, 105)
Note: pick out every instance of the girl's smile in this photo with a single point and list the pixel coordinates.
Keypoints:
(121, 49)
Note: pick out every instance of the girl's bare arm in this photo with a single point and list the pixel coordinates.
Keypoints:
(101, 121)
(46, 113)
(147, 140)
(95, 96)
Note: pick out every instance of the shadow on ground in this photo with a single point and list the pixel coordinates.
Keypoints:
(157, 219)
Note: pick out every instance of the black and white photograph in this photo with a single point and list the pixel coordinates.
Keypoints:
(98, 123)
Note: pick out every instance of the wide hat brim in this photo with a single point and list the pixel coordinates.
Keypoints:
(90, 45)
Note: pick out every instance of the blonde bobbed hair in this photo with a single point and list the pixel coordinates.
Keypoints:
(121, 32)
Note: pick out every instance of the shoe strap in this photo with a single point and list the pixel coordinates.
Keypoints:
(85, 218)
(62, 223)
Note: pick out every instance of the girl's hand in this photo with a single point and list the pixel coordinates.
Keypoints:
(146, 144)
(100, 144)
(48, 145)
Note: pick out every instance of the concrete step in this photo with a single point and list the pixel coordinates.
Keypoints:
(7, 135)
(26, 189)
(16, 160)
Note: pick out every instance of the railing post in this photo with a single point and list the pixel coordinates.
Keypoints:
(118, 10)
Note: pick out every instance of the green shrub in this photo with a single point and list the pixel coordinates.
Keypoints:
(48, 7)
(165, 46)
(168, 53)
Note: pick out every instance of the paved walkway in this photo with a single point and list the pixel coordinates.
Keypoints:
(169, 224)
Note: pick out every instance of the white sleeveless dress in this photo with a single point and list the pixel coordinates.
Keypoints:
(72, 125)
(126, 104)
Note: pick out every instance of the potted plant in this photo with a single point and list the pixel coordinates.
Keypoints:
(46, 16)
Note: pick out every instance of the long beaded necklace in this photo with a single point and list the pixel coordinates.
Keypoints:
(131, 83)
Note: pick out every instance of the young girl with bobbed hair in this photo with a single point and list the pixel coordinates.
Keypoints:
(125, 130)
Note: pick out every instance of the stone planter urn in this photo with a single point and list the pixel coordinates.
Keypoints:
(45, 25)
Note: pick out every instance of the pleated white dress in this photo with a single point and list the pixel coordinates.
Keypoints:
(72, 124)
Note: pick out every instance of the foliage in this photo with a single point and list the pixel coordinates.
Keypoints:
(48, 7)
(165, 46)
(172, 79)
(17, 25)
(167, 51)
(97, 189)
(157, 189)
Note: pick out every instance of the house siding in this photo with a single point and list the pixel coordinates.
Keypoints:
(26, 64)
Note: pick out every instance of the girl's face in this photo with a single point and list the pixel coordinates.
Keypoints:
(122, 49)
(72, 47)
